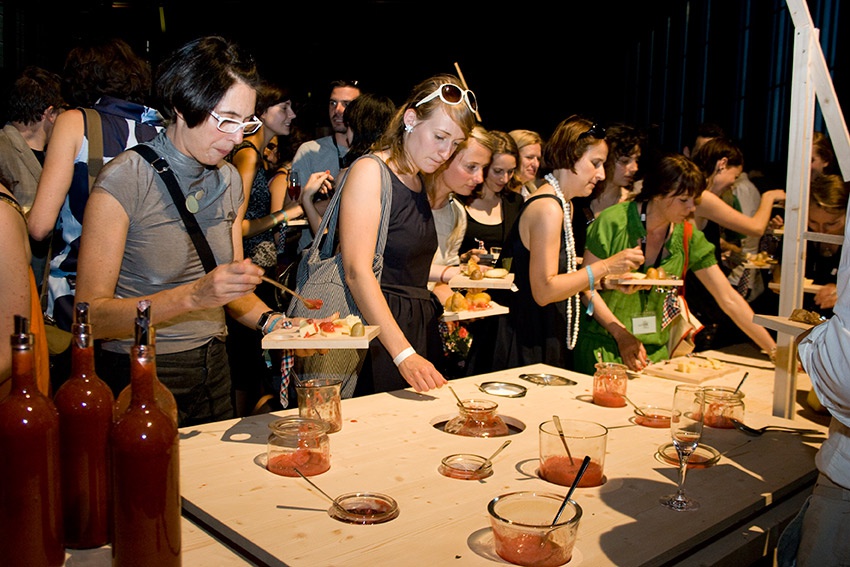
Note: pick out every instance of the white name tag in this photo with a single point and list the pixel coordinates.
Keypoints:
(643, 325)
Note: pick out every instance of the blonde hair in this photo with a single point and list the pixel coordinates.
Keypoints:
(393, 138)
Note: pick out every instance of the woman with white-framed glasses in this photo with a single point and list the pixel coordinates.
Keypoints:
(423, 135)
(136, 244)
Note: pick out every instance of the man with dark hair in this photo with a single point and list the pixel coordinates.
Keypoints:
(34, 102)
(705, 131)
(327, 153)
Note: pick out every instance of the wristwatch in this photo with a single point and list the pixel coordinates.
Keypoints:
(264, 319)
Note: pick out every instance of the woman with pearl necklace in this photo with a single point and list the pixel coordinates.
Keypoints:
(543, 322)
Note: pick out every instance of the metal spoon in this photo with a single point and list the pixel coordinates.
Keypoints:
(557, 422)
(460, 403)
(573, 486)
(741, 383)
(637, 409)
(493, 456)
(740, 425)
(325, 494)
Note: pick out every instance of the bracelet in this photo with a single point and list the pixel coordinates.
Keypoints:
(592, 282)
(276, 222)
(403, 355)
(273, 323)
(443, 275)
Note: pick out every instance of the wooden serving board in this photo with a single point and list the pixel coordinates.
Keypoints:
(494, 309)
(807, 288)
(463, 281)
(698, 373)
(288, 338)
(646, 281)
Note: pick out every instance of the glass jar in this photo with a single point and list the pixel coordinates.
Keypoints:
(298, 442)
(320, 398)
(477, 418)
(722, 405)
(609, 385)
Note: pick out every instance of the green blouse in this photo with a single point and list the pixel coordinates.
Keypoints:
(619, 227)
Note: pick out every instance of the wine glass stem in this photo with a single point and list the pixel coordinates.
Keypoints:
(683, 471)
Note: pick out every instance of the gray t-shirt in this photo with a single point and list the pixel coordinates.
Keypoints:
(159, 254)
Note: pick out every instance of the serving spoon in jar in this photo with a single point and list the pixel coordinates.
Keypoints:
(323, 493)
(493, 456)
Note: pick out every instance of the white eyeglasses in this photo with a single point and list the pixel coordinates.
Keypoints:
(231, 126)
(452, 94)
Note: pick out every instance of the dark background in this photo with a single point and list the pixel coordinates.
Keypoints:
(661, 65)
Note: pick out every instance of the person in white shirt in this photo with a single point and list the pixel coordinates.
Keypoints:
(820, 534)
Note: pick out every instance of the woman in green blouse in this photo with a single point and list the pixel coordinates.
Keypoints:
(630, 328)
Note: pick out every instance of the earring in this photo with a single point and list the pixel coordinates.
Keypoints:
(408, 128)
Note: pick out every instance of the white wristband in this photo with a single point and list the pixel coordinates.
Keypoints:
(402, 356)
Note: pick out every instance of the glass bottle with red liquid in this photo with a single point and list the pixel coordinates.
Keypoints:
(294, 188)
(84, 403)
(30, 494)
(163, 396)
(146, 470)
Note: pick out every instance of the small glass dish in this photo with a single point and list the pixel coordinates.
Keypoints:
(504, 389)
(702, 458)
(653, 416)
(465, 466)
(364, 508)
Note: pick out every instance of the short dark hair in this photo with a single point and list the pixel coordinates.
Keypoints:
(707, 156)
(566, 145)
(105, 68)
(670, 175)
(33, 92)
(710, 130)
(195, 77)
(269, 95)
(368, 116)
(344, 83)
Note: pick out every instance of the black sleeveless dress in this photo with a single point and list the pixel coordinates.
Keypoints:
(530, 333)
(411, 243)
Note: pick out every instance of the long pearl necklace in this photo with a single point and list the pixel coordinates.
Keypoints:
(574, 302)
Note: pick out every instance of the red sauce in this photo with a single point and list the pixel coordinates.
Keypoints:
(608, 399)
(653, 420)
(310, 463)
(531, 549)
(717, 416)
(559, 470)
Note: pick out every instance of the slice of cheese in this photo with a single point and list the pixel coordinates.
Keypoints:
(308, 330)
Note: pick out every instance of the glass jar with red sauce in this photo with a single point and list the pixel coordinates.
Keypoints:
(298, 443)
(477, 418)
(609, 385)
(722, 405)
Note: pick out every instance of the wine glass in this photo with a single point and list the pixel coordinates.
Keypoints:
(686, 430)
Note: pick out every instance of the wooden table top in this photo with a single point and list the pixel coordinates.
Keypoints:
(388, 444)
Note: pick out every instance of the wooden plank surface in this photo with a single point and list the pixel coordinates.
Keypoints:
(389, 444)
(199, 548)
(288, 338)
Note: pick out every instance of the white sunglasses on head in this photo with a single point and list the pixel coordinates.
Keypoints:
(453, 95)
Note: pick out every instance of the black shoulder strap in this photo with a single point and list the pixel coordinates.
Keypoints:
(192, 227)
